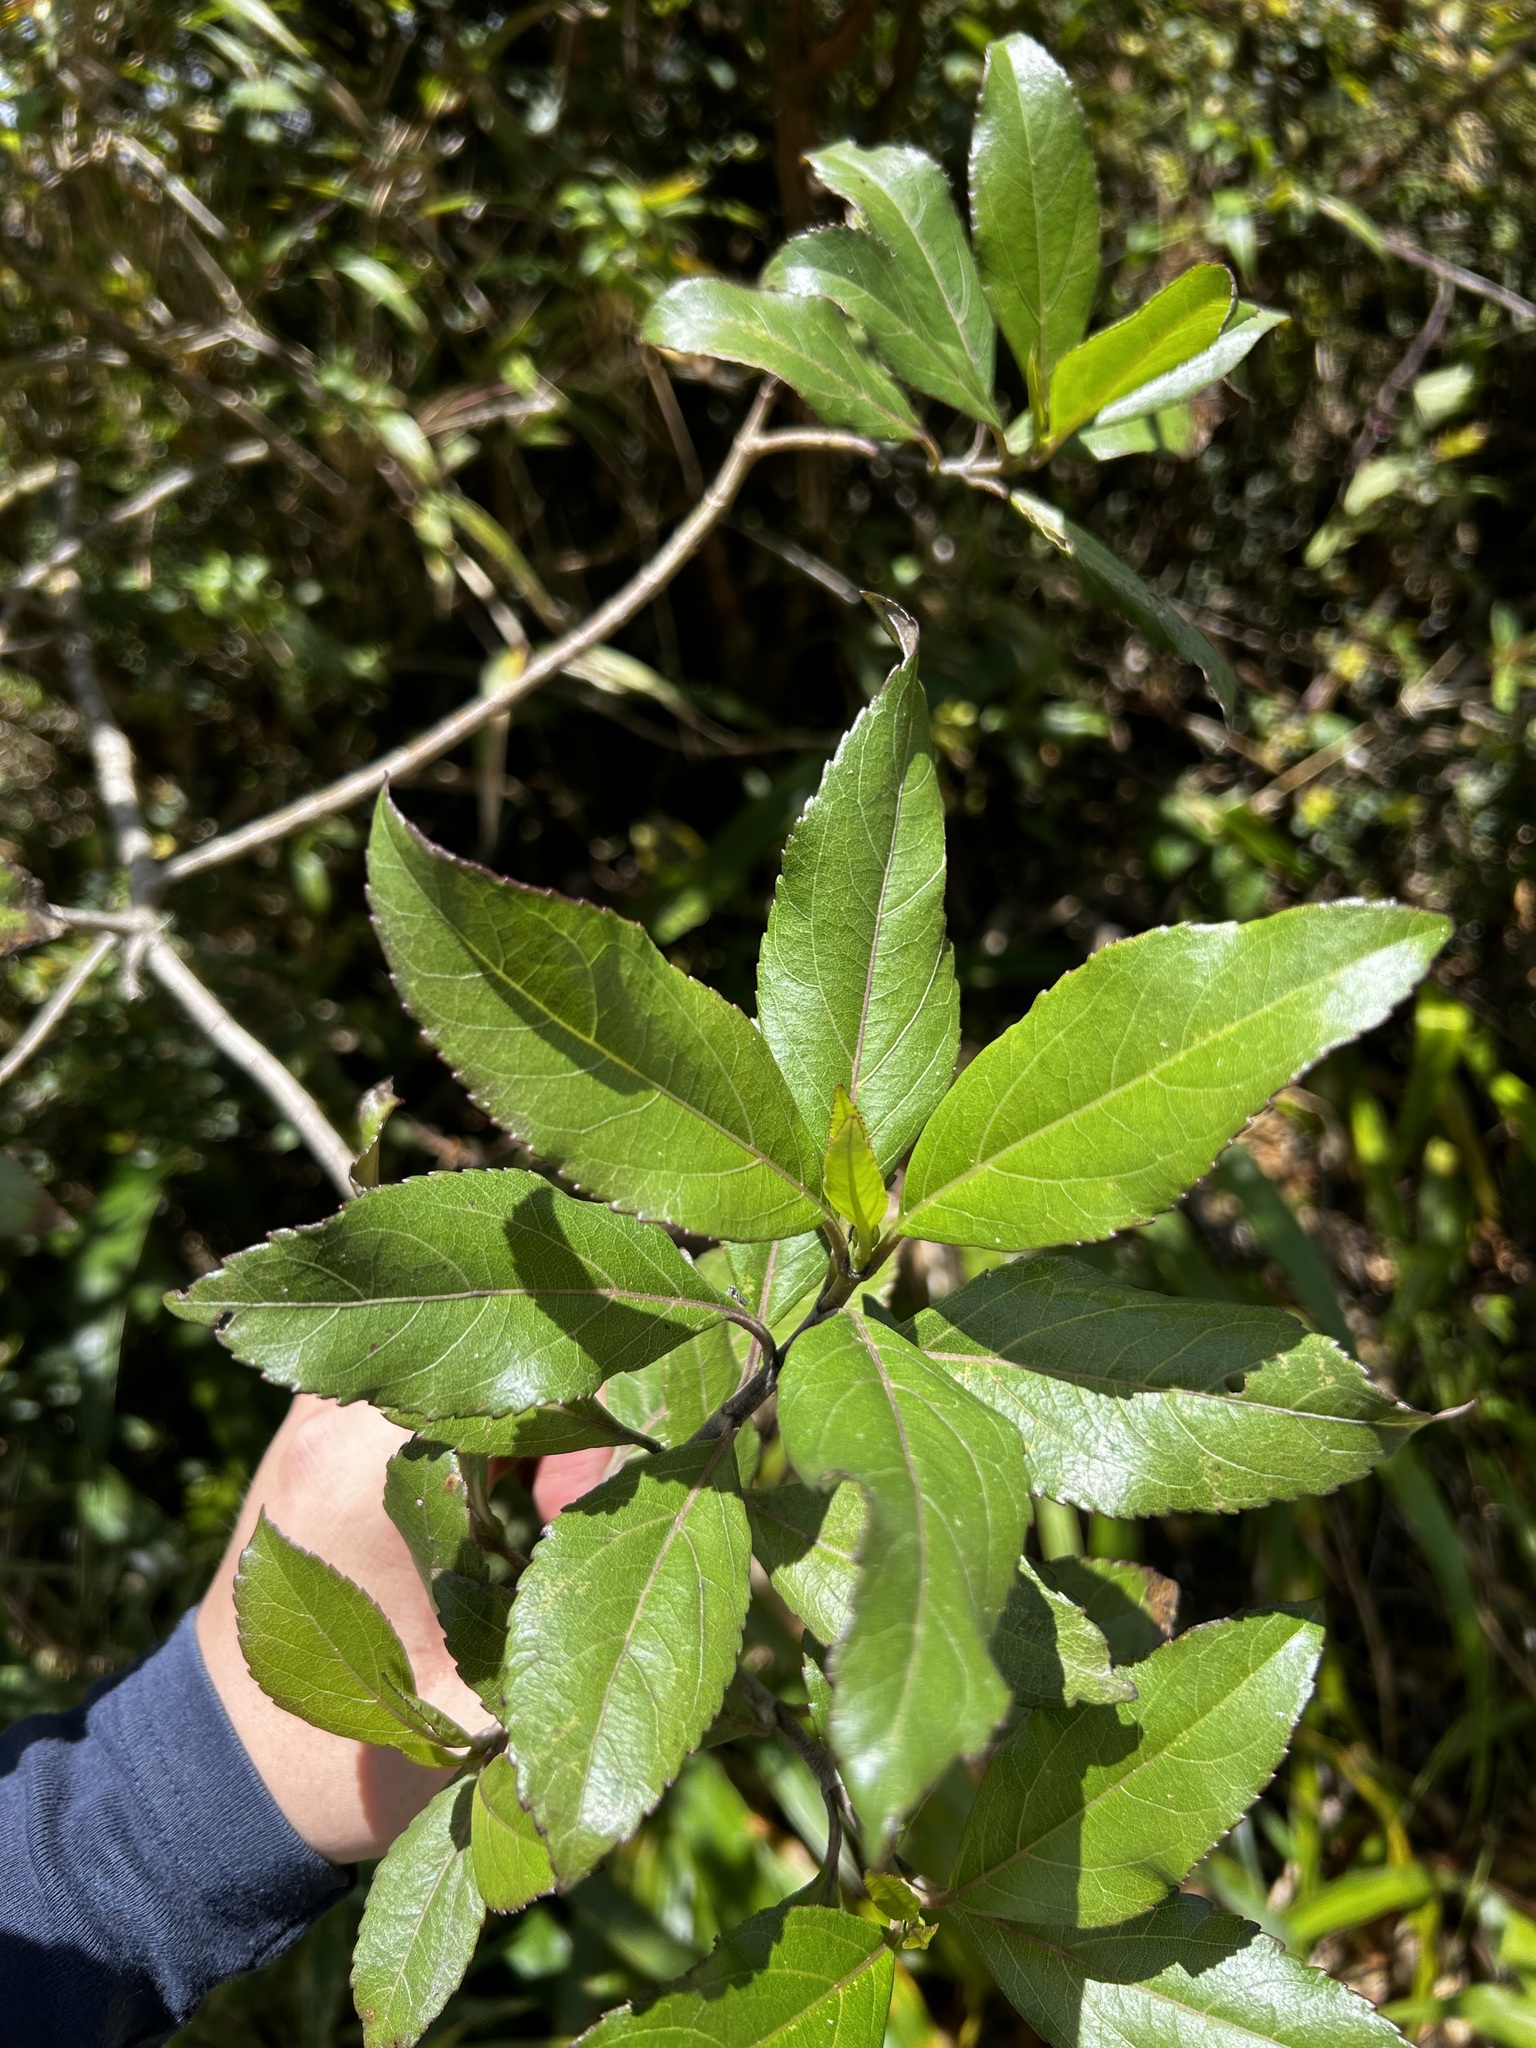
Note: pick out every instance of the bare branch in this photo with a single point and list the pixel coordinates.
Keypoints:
(749, 444)
(252, 1057)
(1383, 411)
(1388, 240)
(42, 1025)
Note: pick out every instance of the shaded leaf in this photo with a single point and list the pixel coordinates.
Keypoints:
(793, 1976)
(1049, 1652)
(426, 1499)
(455, 1293)
(319, 1646)
(1132, 1606)
(809, 1543)
(851, 1175)
(624, 1636)
(805, 341)
(580, 1425)
(1140, 1404)
(511, 1862)
(474, 1615)
(856, 985)
(1174, 325)
(1182, 1972)
(1034, 206)
(420, 1924)
(948, 1502)
(774, 1279)
(670, 1399)
(1173, 430)
(1109, 581)
(573, 1031)
(1088, 1814)
(1129, 1075)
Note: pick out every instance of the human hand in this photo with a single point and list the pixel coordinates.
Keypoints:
(322, 1483)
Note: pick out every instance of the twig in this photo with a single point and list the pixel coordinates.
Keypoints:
(264, 1068)
(750, 443)
(1378, 421)
(1374, 237)
(58, 1003)
(833, 1792)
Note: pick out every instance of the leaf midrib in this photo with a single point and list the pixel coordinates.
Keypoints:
(991, 1162)
(806, 2012)
(1116, 1785)
(887, 867)
(475, 1294)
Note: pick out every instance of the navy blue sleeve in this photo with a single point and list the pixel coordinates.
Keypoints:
(142, 1861)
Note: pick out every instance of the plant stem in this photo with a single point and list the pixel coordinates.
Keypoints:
(834, 1793)
(47, 1018)
(1061, 1533)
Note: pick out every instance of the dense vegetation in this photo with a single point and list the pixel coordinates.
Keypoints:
(334, 313)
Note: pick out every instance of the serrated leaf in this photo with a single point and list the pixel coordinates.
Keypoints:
(809, 1544)
(511, 1862)
(893, 1895)
(856, 985)
(805, 341)
(1247, 325)
(1049, 1652)
(948, 1507)
(851, 1176)
(483, 1291)
(1034, 206)
(669, 1400)
(420, 1925)
(793, 1977)
(1181, 1973)
(319, 1646)
(1132, 1606)
(581, 1425)
(474, 1616)
(1175, 325)
(911, 282)
(1109, 581)
(1126, 1079)
(1140, 1404)
(1088, 1815)
(574, 1032)
(623, 1639)
(427, 1500)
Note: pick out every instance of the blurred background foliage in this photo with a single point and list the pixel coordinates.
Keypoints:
(332, 307)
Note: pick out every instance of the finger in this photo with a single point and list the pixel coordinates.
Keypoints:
(562, 1479)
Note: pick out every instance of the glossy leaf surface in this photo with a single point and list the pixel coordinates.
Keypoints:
(1049, 1652)
(319, 1646)
(795, 1977)
(668, 1400)
(1125, 1080)
(420, 1925)
(917, 294)
(803, 340)
(809, 1544)
(511, 1862)
(624, 1636)
(1174, 325)
(1181, 1973)
(1087, 1815)
(851, 1174)
(454, 1294)
(948, 1502)
(580, 1425)
(775, 1278)
(1140, 1404)
(1246, 326)
(1034, 205)
(856, 985)
(1111, 582)
(571, 1029)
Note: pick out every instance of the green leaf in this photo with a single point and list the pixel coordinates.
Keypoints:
(1140, 1404)
(949, 1505)
(1133, 1607)
(1174, 326)
(1126, 1079)
(893, 1895)
(319, 1646)
(793, 1977)
(856, 984)
(774, 1279)
(474, 1618)
(805, 341)
(624, 1636)
(1179, 1974)
(1172, 431)
(669, 1400)
(1088, 1814)
(376, 281)
(455, 1294)
(1048, 1650)
(511, 1862)
(809, 1544)
(911, 282)
(1034, 206)
(426, 1498)
(1247, 325)
(581, 1425)
(851, 1174)
(420, 1924)
(1111, 582)
(573, 1031)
